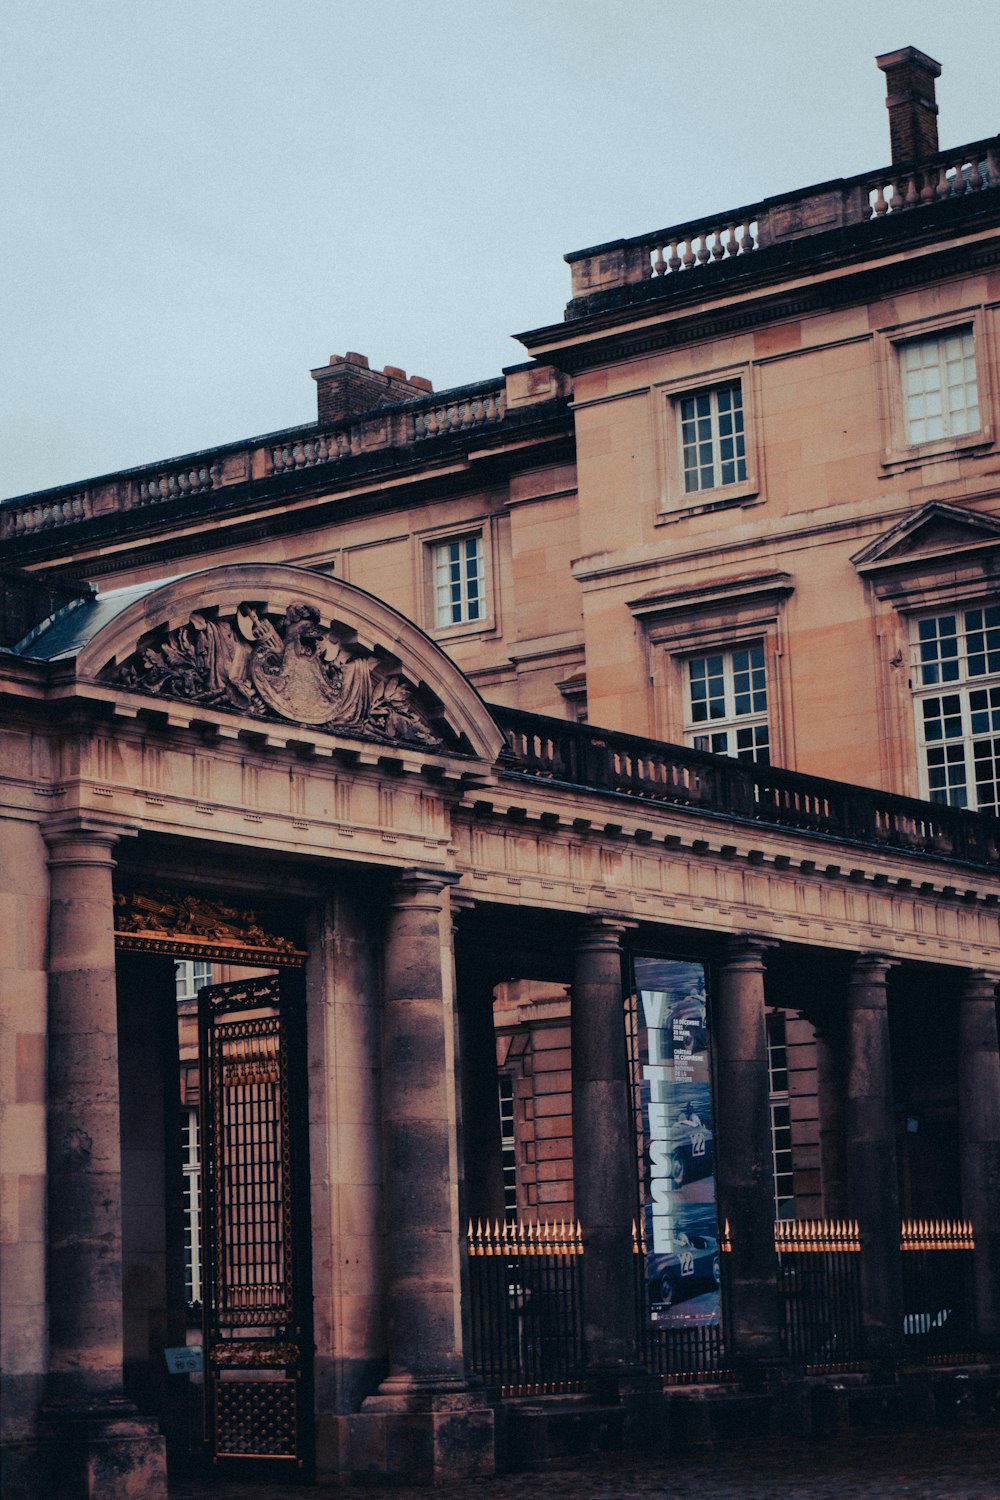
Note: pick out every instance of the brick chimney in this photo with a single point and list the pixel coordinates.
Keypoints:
(346, 387)
(909, 84)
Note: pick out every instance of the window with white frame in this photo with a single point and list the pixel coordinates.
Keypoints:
(189, 977)
(939, 389)
(956, 685)
(713, 445)
(508, 1146)
(782, 1159)
(459, 580)
(726, 703)
(191, 1174)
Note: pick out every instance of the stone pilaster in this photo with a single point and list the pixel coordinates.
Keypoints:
(425, 1422)
(744, 1164)
(98, 1444)
(603, 1148)
(872, 1183)
(979, 1133)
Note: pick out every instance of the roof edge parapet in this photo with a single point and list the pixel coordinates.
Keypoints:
(841, 202)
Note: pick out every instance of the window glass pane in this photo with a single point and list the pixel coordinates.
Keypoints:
(712, 441)
(729, 690)
(938, 386)
(459, 581)
(958, 730)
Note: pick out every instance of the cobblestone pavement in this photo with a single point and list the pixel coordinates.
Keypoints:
(957, 1464)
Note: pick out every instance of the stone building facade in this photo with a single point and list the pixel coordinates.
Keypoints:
(418, 723)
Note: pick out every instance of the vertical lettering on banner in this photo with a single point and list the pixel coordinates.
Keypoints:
(676, 1123)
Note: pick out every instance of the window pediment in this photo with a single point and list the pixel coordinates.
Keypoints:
(936, 530)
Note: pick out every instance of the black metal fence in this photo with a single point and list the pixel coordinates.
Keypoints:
(526, 1317)
(939, 1316)
(525, 1312)
(819, 1276)
(820, 1289)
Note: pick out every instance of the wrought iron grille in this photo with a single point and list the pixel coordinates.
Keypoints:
(526, 1322)
(525, 1311)
(257, 1350)
(819, 1270)
(253, 1226)
(820, 1288)
(939, 1319)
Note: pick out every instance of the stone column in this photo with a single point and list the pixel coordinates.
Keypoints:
(604, 1164)
(420, 1144)
(427, 1423)
(744, 1163)
(100, 1448)
(872, 1182)
(979, 1134)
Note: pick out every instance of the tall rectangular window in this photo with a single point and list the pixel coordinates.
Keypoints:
(712, 440)
(459, 581)
(727, 704)
(781, 1115)
(956, 684)
(508, 1146)
(940, 394)
(191, 1174)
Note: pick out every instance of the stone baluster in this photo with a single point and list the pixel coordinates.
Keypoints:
(979, 1136)
(872, 1188)
(744, 1163)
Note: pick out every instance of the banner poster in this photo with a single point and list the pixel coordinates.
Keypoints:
(677, 1143)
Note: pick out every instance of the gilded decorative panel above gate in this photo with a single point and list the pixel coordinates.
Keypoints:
(185, 925)
(286, 667)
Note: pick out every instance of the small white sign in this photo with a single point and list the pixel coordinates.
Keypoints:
(186, 1360)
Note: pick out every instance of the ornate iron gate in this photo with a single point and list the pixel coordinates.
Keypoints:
(257, 1296)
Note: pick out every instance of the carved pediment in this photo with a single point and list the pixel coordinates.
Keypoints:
(936, 530)
(286, 666)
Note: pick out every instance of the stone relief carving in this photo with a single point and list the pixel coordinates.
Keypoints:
(290, 668)
(155, 915)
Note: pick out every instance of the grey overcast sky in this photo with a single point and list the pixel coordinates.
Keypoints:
(206, 198)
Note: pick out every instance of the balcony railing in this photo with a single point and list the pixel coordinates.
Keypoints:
(582, 756)
(949, 175)
(467, 409)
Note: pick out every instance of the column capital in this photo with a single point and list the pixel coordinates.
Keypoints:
(979, 984)
(746, 950)
(873, 967)
(420, 888)
(603, 932)
(83, 839)
(462, 901)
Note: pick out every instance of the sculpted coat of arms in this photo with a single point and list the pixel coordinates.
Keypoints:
(292, 669)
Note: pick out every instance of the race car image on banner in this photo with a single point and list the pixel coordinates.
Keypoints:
(678, 1143)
